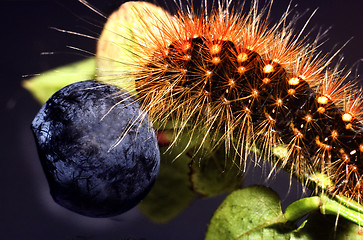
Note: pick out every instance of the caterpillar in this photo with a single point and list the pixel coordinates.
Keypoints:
(230, 78)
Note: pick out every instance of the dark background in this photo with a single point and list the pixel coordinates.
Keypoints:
(26, 208)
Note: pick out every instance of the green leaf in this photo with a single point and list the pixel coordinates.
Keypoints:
(119, 46)
(181, 165)
(213, 174)
(248, 213)
(255, 213)
(46, 84)
(171, 193)
(301, 207)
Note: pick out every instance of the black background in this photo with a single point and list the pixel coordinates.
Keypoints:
(26, 208)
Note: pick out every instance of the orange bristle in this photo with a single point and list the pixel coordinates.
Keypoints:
(233, 78)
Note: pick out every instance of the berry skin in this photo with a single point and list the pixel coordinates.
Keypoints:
(97, 147)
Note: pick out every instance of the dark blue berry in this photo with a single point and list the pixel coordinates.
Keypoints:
(97, 147)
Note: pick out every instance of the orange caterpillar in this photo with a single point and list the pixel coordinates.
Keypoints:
(229, 78)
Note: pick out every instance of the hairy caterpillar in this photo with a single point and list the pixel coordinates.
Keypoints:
(125, 73)
(231, 79)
